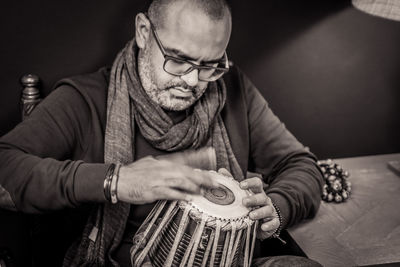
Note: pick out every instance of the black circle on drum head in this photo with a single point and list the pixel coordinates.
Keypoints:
(221, 195)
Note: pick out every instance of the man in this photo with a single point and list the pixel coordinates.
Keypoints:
(112, 136)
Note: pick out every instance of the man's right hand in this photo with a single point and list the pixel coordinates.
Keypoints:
(149, 179)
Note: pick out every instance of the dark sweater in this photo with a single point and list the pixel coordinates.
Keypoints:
(54, 159)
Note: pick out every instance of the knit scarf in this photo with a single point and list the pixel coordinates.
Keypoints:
(127, 104)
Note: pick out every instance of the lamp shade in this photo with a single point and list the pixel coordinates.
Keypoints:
(389, 9)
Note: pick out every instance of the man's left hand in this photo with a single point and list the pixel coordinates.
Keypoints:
(263, 211)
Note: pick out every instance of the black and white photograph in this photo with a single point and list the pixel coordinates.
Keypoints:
(200, 133)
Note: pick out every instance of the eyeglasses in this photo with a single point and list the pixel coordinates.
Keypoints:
(178, 66)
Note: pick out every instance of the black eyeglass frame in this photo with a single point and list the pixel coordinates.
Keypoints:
(193, 65)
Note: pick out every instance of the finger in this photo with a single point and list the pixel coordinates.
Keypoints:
(203, 158)
(260, 199)
(182, 184)
(271, 225)
(199, 177)
(166, 193)
(225, 172)
(265, 212)
(255, 184)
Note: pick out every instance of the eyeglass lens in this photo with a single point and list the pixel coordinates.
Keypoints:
(180, 68)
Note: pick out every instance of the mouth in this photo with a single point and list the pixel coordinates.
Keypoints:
(181, 92)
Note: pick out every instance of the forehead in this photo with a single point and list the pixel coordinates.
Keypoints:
(188, 29)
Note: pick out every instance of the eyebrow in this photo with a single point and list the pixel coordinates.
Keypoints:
(182, 55)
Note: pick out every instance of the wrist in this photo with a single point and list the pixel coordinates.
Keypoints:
(110, 185)
(284, 208)
(279, 214)
(114, 184)
(107, 182)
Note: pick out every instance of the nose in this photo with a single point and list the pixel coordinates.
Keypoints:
(191, 78)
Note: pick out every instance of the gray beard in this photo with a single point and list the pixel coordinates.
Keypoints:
(161, 96)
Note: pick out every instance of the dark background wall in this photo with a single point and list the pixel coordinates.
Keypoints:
(329, 71)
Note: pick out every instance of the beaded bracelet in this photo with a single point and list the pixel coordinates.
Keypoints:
(114, 184)
(337, 188)
(278, 230)
(108, 181)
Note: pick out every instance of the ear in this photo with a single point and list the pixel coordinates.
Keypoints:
(142, 30)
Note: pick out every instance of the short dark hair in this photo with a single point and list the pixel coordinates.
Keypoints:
(214, 9)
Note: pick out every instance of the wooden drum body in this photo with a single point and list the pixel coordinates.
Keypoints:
(211, 230)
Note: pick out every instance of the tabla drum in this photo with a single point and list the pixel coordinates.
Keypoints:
(213, 229)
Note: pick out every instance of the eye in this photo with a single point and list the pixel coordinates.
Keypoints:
(207, 72)
(213, 65)
(176, 66)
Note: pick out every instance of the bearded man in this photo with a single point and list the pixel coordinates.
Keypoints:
(109, 140)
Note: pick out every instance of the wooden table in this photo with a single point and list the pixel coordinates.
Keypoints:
(364, 230)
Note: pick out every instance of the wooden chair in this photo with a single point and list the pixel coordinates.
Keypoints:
(16, 228)
(30, 96)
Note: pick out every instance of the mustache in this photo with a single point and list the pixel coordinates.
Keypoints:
(179, 83)
(182, 85)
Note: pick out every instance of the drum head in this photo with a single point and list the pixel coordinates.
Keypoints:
(223, 202)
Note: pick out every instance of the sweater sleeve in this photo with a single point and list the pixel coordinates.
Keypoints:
(290, 169)
(36, 170)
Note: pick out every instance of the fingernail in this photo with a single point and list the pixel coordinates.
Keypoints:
(243, 184)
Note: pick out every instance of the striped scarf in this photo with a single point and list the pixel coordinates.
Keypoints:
(128, 104)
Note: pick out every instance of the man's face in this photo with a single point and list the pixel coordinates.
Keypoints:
(186, 33)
